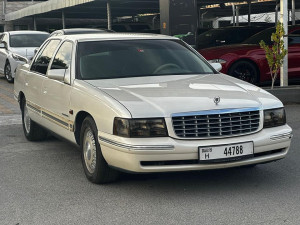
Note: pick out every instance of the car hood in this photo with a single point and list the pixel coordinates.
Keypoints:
(25, 52)
(162, 96)
(214, 53)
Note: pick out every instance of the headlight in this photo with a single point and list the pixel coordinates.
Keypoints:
(222, 61)
(19, 58)
(139, 128)
(274, 117)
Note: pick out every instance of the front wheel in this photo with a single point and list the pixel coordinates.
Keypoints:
(95, 167)
(8, 73)
(245, 71)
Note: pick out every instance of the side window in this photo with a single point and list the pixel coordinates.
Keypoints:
(294, 39)
(295, 32)
(62, 60)
(42, 61)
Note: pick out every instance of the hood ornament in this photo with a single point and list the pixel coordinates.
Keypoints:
(217, 100)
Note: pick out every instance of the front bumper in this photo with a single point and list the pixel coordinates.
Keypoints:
(169, 154)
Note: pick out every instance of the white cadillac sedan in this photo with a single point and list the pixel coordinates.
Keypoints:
(146, 103)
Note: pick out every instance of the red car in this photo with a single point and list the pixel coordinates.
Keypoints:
(247, 61)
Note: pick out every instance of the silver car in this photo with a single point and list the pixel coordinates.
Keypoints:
(17, 47)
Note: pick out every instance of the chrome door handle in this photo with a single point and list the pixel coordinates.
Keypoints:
(45, 92)
(26, 84)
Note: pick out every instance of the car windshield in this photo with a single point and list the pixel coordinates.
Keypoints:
(137, 58)
(263, 35)
(27, 40)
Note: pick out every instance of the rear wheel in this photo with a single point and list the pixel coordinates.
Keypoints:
(95, 167)
(32, 131)
(8, 73)
(246, 71)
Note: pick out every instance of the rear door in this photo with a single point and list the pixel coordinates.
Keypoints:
(34, 79)
(294, 57)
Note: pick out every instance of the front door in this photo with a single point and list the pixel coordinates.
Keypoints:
(56, 94)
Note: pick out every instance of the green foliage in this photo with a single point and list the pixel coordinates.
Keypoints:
(275, 53)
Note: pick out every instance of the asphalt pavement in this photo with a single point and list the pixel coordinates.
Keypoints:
(44, 183)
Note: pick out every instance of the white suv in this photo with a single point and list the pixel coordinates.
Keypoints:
(17, 47)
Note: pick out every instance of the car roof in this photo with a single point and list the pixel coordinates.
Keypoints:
(27, 32)
(73, 31)
(113, 36)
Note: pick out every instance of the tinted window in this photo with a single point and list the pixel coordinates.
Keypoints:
(119, 28)
(27, 40)
(294, 40)
(264, 35)
(296, 32)
(63, 57)
(43, 58)
(138, 27)
(120, 59)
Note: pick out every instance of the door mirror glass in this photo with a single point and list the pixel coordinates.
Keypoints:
(57, 74)
(2, 45)
(217, 66)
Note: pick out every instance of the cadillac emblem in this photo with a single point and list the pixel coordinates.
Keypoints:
(217, 100)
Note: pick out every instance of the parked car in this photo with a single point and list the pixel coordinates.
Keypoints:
(226, 36)
(247, 61)
(17, 47)
(130, 27)
(146, 103)
(73, 31)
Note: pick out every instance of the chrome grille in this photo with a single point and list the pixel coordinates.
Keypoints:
(216, 125)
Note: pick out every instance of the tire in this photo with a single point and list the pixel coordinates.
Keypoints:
(8, 73)
(95, 167)
(32, 131)
(246, 71)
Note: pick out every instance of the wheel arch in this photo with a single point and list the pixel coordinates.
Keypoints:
(20, 98)
(247, 60)
(80, 116)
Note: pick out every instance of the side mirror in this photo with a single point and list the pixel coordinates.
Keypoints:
(56, 74)
(216, 66)
(2, 45)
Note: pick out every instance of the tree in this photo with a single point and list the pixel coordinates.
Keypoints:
(275, 53)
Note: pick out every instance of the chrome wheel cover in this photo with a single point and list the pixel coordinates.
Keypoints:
(89, 150)
(7, 72)
(26, 119)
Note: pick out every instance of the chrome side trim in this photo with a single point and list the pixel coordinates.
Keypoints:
(52, 117)
(33, 108)
(137, 147)
(282, 136)
(215, 111)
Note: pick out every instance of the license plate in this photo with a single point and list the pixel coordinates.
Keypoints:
(226, 152)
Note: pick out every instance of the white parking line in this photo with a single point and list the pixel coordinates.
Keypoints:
(10, 120)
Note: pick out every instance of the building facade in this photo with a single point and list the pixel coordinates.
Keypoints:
(8, 6)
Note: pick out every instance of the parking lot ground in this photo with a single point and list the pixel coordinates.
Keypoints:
(44, 183)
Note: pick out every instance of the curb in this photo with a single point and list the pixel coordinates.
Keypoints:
(288, 95)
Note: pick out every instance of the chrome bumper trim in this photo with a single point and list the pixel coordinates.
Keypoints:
(281, 136)
(137, 147)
